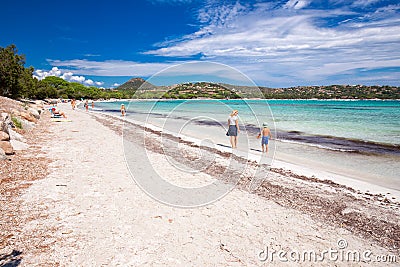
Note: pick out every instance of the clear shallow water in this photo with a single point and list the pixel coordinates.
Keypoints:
(358, 139)
(352, 126)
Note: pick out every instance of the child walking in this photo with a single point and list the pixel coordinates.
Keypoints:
(265, 135)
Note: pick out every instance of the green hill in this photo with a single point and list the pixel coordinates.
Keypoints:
(223, 91)
(131, 85)
(199, 90)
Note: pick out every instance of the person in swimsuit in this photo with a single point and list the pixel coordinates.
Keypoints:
(233, 129)
(265, 135)
(123, 110)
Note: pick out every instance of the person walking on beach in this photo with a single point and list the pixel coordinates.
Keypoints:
(265, 135)
(73, 103)
(123, 110)
(233, 129)
(86, 105)
(92, 104)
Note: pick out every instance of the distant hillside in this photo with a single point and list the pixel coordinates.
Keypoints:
(333, 92)
(199, 90)
(222, 91)
(133, 84)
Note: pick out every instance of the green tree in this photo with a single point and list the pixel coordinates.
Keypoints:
(27, 84)
(11, 69)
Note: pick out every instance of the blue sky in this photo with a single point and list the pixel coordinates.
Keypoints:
(275, 43)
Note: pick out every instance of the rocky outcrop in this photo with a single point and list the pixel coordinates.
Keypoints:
(2, 154)
(16, 118)
(18, 145)
(7, 147)
(16, 136)
(4, 136)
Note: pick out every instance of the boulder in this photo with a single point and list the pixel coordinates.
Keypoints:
(6, 122)
(4, 116)
(4, 136)
(34, 112)
(18, 145)
(2, 154)
(3, 126)
(16, 136)
(27, 116)
(27, 125)
(7, 147)
(15, 112)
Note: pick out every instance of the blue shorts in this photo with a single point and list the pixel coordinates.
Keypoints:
(264, 140)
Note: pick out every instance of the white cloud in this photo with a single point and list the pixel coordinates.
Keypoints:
(297, 4)
(293, 43)
(41, 74)
(67, 76)
(64, 74)
(364, 3)
(79, 79)
(88, 82)
(111, 67)
(286, 44)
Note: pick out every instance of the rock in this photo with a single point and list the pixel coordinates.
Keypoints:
(34, 112)
(18, 145)
(27, 116)
(15, 112)
(27, 125)
(16, 136)
(4, 136)
(2, 154)
(7, 147)
(4, 116)
(6, 122)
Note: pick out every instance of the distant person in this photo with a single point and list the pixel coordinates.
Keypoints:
(86, 105)
(123, 110)
(73, 103)
(265, 135)
(57, 112)
(233, 130)
(92, 104)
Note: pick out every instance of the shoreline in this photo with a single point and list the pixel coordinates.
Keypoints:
(303, 135)
(340, 178)
(96, 214)
(289, 99)
(352, 191)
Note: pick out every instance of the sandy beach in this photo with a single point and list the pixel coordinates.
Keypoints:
(90, 212)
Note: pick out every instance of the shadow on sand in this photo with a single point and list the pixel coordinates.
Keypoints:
(10, 260)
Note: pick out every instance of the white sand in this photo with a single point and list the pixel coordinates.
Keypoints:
(105, 219)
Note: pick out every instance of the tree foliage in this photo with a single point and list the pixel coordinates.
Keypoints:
(16, 81)
(12, 71)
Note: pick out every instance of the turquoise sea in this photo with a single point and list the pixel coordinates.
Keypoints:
(358, 138)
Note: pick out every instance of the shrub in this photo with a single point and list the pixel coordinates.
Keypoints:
(16, 122)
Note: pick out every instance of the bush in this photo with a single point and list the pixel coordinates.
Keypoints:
(16, 122)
